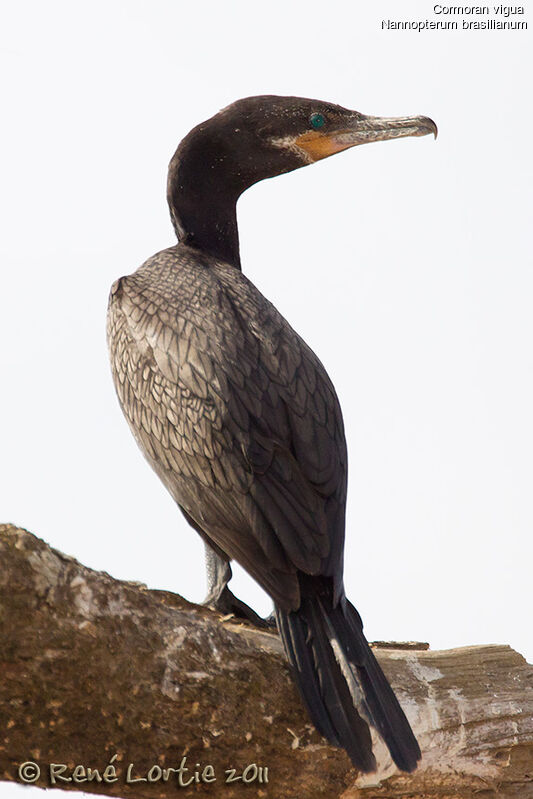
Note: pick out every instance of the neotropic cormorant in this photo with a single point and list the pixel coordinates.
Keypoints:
(239, 418)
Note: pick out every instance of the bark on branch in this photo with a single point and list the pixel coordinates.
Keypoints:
(91, 667)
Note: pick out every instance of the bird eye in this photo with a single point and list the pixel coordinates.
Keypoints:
(317, 121)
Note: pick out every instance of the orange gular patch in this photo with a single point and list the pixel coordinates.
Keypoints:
(319, 145)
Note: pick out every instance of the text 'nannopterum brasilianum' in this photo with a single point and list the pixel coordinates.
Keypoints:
(239, 418)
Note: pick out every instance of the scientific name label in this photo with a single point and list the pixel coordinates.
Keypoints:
(464, 18)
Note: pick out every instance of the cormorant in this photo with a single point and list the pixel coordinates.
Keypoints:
(239, 418)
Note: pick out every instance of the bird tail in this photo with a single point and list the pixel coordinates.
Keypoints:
(341, 682)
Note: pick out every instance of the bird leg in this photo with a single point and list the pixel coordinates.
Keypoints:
(220, 598)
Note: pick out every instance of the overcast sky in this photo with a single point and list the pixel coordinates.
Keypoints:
(406, 265)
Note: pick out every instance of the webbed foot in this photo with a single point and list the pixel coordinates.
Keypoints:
(227, 603)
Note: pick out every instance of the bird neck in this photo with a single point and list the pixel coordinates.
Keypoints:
(202, 197)
(208, 227)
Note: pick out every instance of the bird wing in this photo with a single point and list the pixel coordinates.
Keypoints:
(236, 414)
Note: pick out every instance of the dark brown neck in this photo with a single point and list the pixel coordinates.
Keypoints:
(209, 229)
(211, 168)
(202, 193)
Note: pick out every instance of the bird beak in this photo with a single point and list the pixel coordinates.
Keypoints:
(364, 129)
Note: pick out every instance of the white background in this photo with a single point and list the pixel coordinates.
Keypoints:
(406, 265)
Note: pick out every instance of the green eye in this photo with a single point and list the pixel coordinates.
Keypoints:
(317, 121)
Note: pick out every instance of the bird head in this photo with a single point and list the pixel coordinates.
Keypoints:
(259, 137)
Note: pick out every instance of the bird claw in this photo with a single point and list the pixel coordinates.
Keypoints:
(227, 603)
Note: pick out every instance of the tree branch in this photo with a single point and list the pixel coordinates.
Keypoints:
(92, 667)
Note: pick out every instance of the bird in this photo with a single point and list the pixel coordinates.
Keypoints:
(238, 417)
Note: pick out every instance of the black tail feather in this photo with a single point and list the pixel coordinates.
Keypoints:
(294, 635)
(342, 683)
